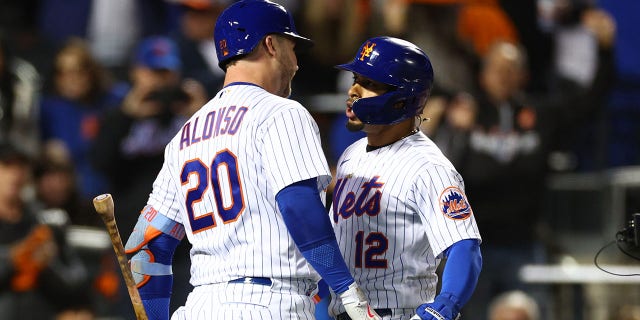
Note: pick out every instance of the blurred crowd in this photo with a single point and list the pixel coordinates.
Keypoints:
(92, 90)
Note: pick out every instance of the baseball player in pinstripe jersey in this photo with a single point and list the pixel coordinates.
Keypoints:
(399, 205)
(242, 179)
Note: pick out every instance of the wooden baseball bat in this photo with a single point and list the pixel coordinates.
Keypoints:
(105, 208)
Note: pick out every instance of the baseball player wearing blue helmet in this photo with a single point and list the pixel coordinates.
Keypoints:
(399, 64)
(399, 206)
(243, 180)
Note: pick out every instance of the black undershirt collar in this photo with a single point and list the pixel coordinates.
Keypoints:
(371, 148)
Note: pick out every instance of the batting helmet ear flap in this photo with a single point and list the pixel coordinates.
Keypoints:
(388, 108)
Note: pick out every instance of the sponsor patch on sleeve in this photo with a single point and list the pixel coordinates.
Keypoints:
(454, 204)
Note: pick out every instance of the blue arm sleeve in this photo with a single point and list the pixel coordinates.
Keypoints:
(462, 270)
(156, 293)
(309, 226)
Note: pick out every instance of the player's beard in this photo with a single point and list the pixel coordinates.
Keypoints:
(354, 125)
(285, 82)
(288, 71)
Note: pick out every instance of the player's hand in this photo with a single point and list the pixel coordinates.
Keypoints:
(356, 304)
(442, 308)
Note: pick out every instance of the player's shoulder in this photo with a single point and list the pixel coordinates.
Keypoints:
(263, 105)
(430, 165)
(257, 95)
(358, 145)
(427, 153)
(280, 104)
(279, 111)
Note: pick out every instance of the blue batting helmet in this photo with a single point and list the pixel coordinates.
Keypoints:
(400, 64)
(242, 26)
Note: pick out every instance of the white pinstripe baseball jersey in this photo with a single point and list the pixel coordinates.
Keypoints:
(395, 209)
(220, 177)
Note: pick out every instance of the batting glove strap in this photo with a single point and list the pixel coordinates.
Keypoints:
(444, 307)
(437, 315)
(434, 313)
(139, 265)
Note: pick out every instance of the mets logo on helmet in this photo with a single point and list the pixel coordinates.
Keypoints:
(454, 204)
(367, 48)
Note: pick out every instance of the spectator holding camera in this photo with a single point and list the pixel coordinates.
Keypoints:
(130, 144)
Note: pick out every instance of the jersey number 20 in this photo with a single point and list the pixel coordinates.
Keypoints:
(210, 175)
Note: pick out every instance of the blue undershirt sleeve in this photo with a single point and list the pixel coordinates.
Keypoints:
(462, 269)
(308, 223)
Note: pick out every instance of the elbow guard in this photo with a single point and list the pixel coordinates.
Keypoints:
(152, 243)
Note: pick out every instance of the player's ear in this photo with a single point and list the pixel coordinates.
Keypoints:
(269, 42)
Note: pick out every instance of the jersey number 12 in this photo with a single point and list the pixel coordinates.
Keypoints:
(377, 244)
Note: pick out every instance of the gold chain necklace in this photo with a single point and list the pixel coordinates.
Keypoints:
(414, 131)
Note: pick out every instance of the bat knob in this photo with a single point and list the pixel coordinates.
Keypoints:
(102, 197)
(104, 205)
